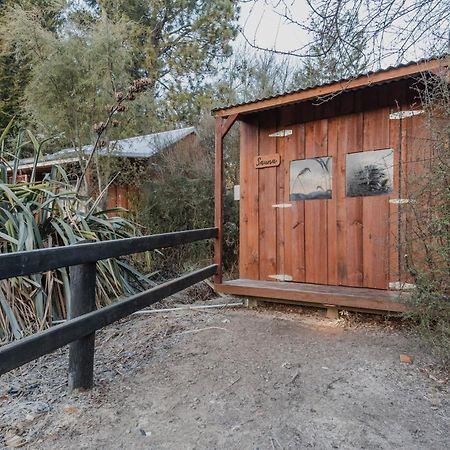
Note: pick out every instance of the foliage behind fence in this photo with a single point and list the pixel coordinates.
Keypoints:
(40, 214)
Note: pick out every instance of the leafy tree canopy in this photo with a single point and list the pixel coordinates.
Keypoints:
(14, 72)
(76, 65)
(332, 58)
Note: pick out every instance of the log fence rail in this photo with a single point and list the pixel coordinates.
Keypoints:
(83, 320)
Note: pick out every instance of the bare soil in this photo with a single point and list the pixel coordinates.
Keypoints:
(234, 379)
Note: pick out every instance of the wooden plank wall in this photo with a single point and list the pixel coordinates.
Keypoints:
(249, 205)
(333, 204)
(395, 263)
(121, 196)
(341, 241)
(416, 156)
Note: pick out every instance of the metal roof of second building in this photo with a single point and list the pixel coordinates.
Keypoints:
(135, 147)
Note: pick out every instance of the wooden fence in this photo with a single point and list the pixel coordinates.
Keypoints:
(83, 321)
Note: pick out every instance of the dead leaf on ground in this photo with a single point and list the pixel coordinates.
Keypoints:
(404, 358)
(71, 409)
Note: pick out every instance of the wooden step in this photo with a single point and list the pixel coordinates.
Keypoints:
(320, 295)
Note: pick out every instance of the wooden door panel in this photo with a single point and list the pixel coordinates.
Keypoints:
(291, 225)
(295, 219)
(376, 209)
(343, 240)
(350, 141)
(280, 199)
(267, 198)
(249, 195)
(316, 261)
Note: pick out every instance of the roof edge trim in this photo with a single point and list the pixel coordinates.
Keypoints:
(369, 79)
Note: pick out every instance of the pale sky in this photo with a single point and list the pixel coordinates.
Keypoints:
(267, 29)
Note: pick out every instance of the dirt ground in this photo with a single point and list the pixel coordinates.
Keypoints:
(234, 379)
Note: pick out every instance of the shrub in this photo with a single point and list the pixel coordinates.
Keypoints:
(426, 220)
(35, 215)
(178, 194)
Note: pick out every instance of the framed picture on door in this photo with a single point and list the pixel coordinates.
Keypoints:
(310, 179)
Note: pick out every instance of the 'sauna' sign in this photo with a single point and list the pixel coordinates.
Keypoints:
(263, 161)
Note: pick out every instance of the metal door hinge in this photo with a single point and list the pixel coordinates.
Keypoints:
(282, 205)
(400, 201)
(404, 114)
(281, 277)
(401, 286)
(282, 133)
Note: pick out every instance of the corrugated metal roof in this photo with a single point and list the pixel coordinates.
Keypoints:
(329, 83)
(134, 147)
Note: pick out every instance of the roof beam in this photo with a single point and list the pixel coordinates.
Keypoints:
(228, 123)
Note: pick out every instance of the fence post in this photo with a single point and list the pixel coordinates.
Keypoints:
(82, 301)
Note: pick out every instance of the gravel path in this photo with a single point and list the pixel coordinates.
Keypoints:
(234, 379)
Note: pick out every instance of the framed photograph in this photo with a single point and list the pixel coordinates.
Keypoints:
(310, 179)
(369, 173)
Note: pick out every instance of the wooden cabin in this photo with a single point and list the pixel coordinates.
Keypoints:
(142, 149)
(320, 189)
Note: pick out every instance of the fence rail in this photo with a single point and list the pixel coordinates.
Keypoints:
(84, 320)
(37, 261)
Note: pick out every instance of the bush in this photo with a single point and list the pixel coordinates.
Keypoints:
(178, 194)
(35, 215)
(427, 222)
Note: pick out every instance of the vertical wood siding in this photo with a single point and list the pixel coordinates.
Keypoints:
(349, 241)
(121, 196)
(249, 206)
(267, 198)
(316, 242)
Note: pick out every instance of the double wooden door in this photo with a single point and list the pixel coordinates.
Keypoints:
(342, 240)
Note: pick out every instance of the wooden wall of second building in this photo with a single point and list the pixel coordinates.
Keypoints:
(121, 196)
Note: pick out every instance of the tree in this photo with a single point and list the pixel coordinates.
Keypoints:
(73, 73)
(395, 30)
(14, 71)
(329, 59)
(78, 68)
(176, 44)
(249, 74)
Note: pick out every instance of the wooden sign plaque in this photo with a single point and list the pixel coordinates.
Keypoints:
(263, 161)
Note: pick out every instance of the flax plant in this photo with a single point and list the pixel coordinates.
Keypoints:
(48, 213)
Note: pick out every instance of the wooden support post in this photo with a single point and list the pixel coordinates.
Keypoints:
(218, 196)
(252, 303)
(332, 312)
(82, 301)
(222, 128)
